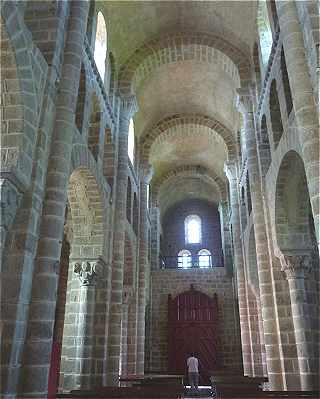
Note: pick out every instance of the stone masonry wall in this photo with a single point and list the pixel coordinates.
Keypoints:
(165, 282)
(174, 232)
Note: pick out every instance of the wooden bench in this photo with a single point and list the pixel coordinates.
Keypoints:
(168, 391)
(272, 395)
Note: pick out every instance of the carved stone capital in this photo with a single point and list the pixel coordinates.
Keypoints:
(129, 106)
(244, 101)
(90, 272)
(230, 169)
(296, 266)
(10, 198)
(146, 172)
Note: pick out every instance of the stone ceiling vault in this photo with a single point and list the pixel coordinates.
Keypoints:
(184, 61)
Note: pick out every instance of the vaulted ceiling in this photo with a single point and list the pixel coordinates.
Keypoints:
(184, 60)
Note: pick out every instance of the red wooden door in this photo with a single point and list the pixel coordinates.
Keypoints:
(193, 327)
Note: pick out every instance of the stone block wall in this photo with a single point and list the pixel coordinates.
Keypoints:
(165, 282)
(174, 231)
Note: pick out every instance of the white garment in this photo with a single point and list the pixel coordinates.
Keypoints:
(192, 364)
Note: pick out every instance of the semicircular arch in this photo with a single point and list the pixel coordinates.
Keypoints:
(177, 47)
(173, 121)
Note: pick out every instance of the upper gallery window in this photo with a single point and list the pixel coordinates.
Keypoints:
(184, 259)
(265, 34)
(192, 226)
(100, 46)
(204, 258)
(131, 141)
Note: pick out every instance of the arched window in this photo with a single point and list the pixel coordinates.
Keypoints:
(131, 141)
(265, 34)
(192, 228)
(100, 45)
(184, 259)
(205, 258)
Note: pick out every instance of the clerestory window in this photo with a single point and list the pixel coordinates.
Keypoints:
(131, 141)
(192, 226)
(100, 45)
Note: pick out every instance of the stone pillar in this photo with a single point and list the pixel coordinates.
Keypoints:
(145, 177)
(37, 349)
(262, 250)
(124, 333)
(225, 236)
(78, 363)
(232, 174)
(10, 198)
(304, 105)
(155, 237)
(128, 108)
(297, 269)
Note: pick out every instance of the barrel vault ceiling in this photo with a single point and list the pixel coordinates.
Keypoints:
(184, 61)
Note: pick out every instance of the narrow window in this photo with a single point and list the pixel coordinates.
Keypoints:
(131, 141)
(184, 259)
(265, 34)
(205, 258)
(100, 46)
(192, 229)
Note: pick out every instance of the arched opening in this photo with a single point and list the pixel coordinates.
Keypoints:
(204, 257)
(94, 127)
(100, 45)
(192, 228)
(275, 114)
(184, 259)
(131, 142)
(286, 83)
(294, 225)
(85, 309)
(265, 34)
(264, 146)
(299, 258)
(81, 100)
(129, 200)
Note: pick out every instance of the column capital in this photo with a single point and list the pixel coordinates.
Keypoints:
(230, 169)
(244, 100)
(146, 172)
(129, 106)
(296, 266)
(90, 272)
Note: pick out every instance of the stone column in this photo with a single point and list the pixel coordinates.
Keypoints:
(78, 363)
(128, 108)
(124, 333)
(307, 116)
(155, 236)
(297, 269)
(10, 198)
(37, 350)
(145, 177)
(262, 250)
(232, 174)
(225, 236)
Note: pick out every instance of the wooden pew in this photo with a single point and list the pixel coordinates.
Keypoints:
(272, 395)
(166, 391)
